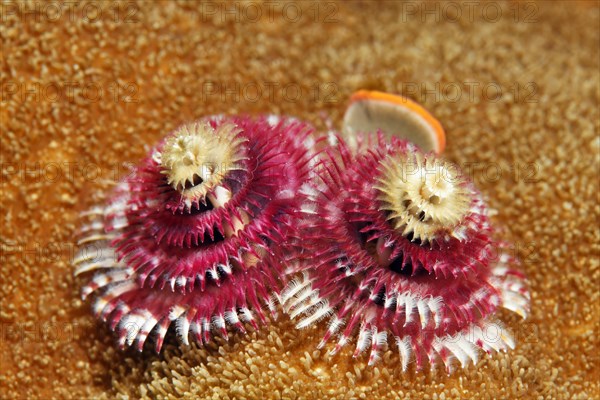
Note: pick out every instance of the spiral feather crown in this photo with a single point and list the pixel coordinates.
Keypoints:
(195, 235)
(397, 250)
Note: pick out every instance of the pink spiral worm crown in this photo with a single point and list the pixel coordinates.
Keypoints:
(195, 235)
(396, 246)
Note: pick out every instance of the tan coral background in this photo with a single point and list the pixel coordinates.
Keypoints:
(87, 87)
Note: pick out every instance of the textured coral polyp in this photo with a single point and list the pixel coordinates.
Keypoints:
(195, 235)
(397, 247)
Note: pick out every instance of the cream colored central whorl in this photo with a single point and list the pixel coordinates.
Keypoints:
(423, 195)
(197, 157)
